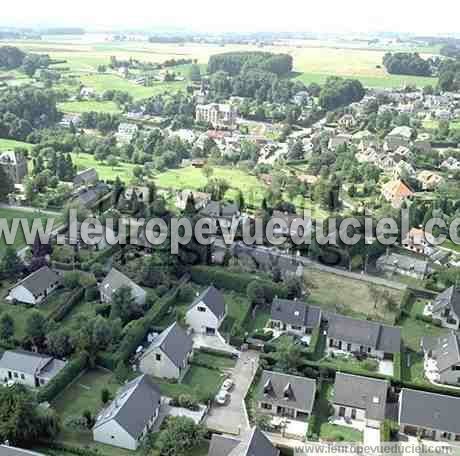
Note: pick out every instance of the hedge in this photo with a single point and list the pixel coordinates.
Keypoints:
(64, 309)
(69, 449)
(66, 376)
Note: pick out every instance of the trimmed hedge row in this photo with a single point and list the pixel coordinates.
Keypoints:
(54, 446)
(64, 309)
(67, 375)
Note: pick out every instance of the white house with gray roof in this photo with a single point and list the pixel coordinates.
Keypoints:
(359, 398)
(446, 308)
(350, 335)
(116, 280)
(294, 316)
(442, 358)
(28, 368)
(168, 355)
(36, 287)
(285, 395)
(429, 415)
(128, 418)
(254, 443)
(207, 312)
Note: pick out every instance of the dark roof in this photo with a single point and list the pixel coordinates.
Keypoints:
(133, 407)
(430, 410)
(39, 281)
(288, 390)
(88, 197)
(296, 313)
(13, 451)
(116, 280)
(254, 444)
(445, 349)
(213, 299)
(88, 175)
(175, 343)
(450, 297)
(23, 361)
(365, 393)
(229, 210)
(363, 332)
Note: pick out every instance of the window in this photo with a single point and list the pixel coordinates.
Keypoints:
(296, 328)
(42, 381)
(16, 375)
(266, 406)
(23, 377)
(201, 309)
(158, 357)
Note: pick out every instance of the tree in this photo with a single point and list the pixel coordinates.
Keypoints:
(240, 200)
(60, 343)
(179, 436)
(207, 171)
(6, 184)
(124, 306)
(36, 325)
(112, 161)
(289, 355)
(10, 264)
(6, 327)
(194, 73)
(105, 396)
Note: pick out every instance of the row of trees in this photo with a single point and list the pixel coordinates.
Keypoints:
(338, 92)
(407, 63)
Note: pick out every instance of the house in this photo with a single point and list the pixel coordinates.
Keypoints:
(86, 178)
(359, 398)
(168, 355)
(285, 395)
(399, 136)
(116, 280)
(338, 140)
(218, 115)
(128, 418)
(410, 266)
(14, 164)
(350, 335)
(417, 240)
(255, 443)
(423, 142)
(429, 180)
(207, 312)
(28, 368)
(126, 132)
(396, 192)
(36, 287)
(347, 121)
(429, 415)
(451, 163)
(445, 308)
(442, 358)
(87, 93)
(200, 199)
(6, 450)
(142, 193)
(89, 197)
(294, 316)
(69, 120)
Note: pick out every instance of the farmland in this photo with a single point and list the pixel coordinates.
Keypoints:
(78, 107)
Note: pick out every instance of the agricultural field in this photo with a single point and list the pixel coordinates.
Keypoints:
(79, 107)
(194, 179)
(124, 170)
(433, 124)
(356, 302)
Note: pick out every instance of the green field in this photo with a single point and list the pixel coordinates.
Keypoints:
(11, 144)
(124, 170)
(102, 82)
(194, 179)
(433, 124)
(78, 107)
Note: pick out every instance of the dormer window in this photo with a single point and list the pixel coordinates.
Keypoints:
(268, 387)
(201, 309)
(287, 392)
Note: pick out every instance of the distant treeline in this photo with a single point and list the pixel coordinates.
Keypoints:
(235, 63)
(63, 31)
(449, 76)
(407, 63)
(12, 58)
(168, 39)
(451, 50)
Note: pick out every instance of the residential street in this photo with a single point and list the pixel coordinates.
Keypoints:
(232, 418)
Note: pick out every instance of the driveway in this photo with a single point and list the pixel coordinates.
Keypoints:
(232, 418)
(215, 342)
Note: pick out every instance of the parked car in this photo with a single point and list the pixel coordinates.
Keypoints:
(222, 397)
(228, 384)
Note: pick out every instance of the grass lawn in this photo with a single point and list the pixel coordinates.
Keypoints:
(194, 179)
(11, 144)
(448, 244)
(259, 322)
(102, 82)
(356, 302)
(201, 382)
(124, 170)
(221, 362)
(350, 363)
(9, 215)
(237, 306)
(325, 430)
(433, 124)
(78, 107)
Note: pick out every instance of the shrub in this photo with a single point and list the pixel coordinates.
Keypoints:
(64, 308)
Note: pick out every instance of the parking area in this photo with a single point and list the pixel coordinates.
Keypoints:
(232, 418)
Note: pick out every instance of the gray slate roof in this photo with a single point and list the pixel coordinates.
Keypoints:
(445, 349)
(175, 343)
(23, 361)
(430, 410)
(39, 281)
(364, 393)
(272, 387)
(254, 444)
(296, 313)
(13, 451)
(213, 299)
(363, 332)
(88, 175)
(450, 297)
(133, 406)
(116, 280)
